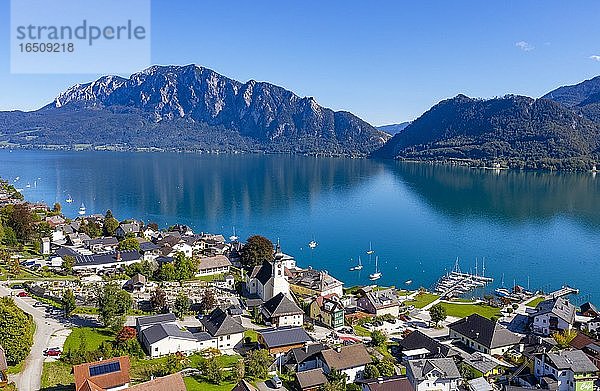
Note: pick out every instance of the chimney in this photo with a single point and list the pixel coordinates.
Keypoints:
(338, 349)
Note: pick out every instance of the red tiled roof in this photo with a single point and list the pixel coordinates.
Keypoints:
(85, 382)
(172, 382)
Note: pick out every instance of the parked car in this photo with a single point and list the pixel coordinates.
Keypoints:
(16, 286)
(52, 352)
(276, 381)
(22, 294)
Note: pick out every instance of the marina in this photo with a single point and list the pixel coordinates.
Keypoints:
(457, 283)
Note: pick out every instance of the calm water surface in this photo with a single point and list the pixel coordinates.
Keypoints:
(419, 218)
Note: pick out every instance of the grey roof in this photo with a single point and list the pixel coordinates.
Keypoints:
(481, 362)
(281, 305)
(576, 360)
(311, 378)
(299, 355)
(161, 331)
(420, 368)
(107, 258)
(219, 323)
(485, 331)
(264, 272)
(155, 319)
(213, 262)
(479, 384)
(560, 307)
(345, 357)
(284, 336)
(65, 251)
(130, 227)
(105, 241)
(418, 340)
(314, 279)
(203, 336)
(148, 246)
(585, 307)
(383, 298)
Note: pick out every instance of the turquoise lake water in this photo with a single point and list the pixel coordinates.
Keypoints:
(418, 217)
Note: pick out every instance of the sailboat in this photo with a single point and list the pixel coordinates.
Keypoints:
(370, 251)
(82, 209)
(377, 274)
(312, 244)
(357, 267)
(233, 237)
(502, 291)
(69, 199)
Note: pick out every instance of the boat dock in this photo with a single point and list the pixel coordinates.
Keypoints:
(457, 283)
(564, 291)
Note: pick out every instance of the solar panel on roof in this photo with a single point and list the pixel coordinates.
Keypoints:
(102, 369)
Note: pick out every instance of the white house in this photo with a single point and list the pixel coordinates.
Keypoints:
(572, 369)
(379, 303)
(350, 360)
(553, 315)
(164, 339)
(224, 329)
(483, 335)
(143, 322)
(267, 280)
(436, 374)
(209, 266)
(282, 311)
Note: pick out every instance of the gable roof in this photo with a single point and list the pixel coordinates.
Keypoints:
(329, 303)
(161, 331)
(482, 362)
(281, 305)
(218, 323)
(264, 273)
(315, 280)
(172, 382)
(418, 340)
(243, 385)
(383, 298)
(104, 241)
(345, 357)
(213, 262)
(107, 258)
(485, 331)
(421, 368)
(117, 374)
(299, 355)
(560, 307)
(154, 319)
(588, 307)
(575, 360)
(311, 378)
(391, 383)
(284, 336)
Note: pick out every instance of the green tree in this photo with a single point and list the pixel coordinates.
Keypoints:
(386, 366)
(256, 250)
(564, 338)
(109, 214)
(113, 303)
(185, 267)
(21, 221)
(239, 371)
(371, 371)
(10, 237)
(437, 314)
(378, 338)
(16, 331)
(69, 304)
(14, 267)
(110, 225)
(57, 208)
(211, 370)
(158, 299)
(208, 301)
(129, 244)
(44, 229)
(257, 364)
(167, 272)
(181, 305)
(337, 379)
(90, 228)
(68, 263)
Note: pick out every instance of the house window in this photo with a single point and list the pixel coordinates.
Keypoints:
(156, 349)
(228, 337)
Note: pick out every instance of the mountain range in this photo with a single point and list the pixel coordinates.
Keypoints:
(189, 108)
(192, 108)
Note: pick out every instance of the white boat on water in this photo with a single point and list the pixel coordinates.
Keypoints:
(377, 274)
(69, 199)
(312, 244)
(408, 282)
(357, 267)
(82, 209)
(502, 292)
(233, 237)
(370, 250)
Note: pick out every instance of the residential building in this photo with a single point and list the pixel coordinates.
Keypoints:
(144, 322)
(226, 330)
(267, 280)
(483, 335)
(327, 310)
(380, 302)
(571, 369)
(588, 309)
(435, 374)
(125, 229)
(102, 245)
(219, 264)
(590, 346)
(479, 384)
(163, 339)
(310, 380)
(170, 245)
(104, 375)
(150, 251)
(172, 382)
(137, 283)
(98, 262)
(282, 311)
(349, 359)
(305, 358)
(481, 364)
(391, 383)
(417, 345)
(243, 385)
(553, 315)
(281, 340)
(311, 282)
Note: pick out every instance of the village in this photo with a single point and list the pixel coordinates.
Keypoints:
(206, 312)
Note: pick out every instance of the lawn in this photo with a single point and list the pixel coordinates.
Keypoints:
(15, 368)
(422, 299)
(361, 331)
(93, 338)
(193, 384)
(57, 375)
(464, 310)
(252, 334)
(141, 368)
(533, 303)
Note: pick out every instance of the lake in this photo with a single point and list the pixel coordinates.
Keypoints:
(539, 227)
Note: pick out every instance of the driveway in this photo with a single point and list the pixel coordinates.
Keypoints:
(268, 386)
(29, 379)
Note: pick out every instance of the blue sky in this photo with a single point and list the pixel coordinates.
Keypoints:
(386, 61)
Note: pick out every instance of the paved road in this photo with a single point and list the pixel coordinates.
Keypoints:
(29, 379)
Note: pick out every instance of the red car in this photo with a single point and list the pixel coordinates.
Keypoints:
(22, 294)
(53, 352)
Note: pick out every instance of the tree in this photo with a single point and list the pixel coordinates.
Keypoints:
(158, 299)
(57, 208)
(239, 371)
(21, 221)
(90, 228)
(108, 214)
(182, 305)
(256, 250)
(211, 370)
(68, 263)
(69, 304)
(437, 314)
(564, 337)
(10, 237)
(208, 301)
(16, 331)
(386, 366)
(184, 267)
(371, 371)
(126, 334)
(378, 338)
(337, 380)
(110, 226)
(166, 272)
(129, 244)
(257, 364)
(113, 303)
(153, 226)
(174, 362)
